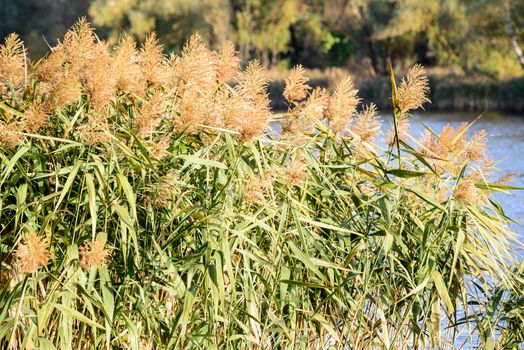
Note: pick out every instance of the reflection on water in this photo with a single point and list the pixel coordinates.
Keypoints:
(505, 146)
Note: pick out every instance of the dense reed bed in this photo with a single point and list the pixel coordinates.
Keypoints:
(146, 205)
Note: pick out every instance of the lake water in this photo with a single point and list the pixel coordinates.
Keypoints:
(505, 145)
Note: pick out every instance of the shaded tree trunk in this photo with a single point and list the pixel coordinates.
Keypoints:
(512, 36)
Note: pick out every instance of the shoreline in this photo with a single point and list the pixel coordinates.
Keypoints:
(448, 93)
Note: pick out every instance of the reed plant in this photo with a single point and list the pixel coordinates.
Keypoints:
(147, 202)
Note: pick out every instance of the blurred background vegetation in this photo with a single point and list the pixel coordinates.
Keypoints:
(468, 45)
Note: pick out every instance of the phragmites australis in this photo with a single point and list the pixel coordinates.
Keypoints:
(367, 124)
(154, 71)
(440, 149)
(258, 186)
(10, 135)
(94, 133)
(413, 90)
(99, 77)
(128, 71)
(296, 171)
(296, 85)
(467, 192)
(250, 96)
(13, 63)
(149, 114)
(227, 62)
(93, 254)
(33, 253)
(342, 105)
(299, 122)
(196, 67)
(475, 149)
(35, 118)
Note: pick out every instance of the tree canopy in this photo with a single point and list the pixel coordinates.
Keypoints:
(476, 37)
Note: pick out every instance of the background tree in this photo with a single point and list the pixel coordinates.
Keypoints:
(472, 37)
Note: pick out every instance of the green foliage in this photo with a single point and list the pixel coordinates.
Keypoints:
(221, 241)
(469, 35)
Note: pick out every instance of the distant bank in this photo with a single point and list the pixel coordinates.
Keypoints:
(457, 94)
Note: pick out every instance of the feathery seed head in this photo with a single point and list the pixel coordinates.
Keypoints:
(467, 192)
(93, 133)
(33, 253)
(250, 105)
(342, 105)
(99, 77)
(507, 178)
(413, 90)
(367, 125)
(227, 62)
(128, 72)
(35, 117)
(150, 114)
(13, 62)
(316, 104)
(196, 66)
(476, 148)
(93, 254)
(10, 135)
(254, 191)
(296, 171)
(296, 85)
(155, 72)
(192, 111)
(258, 186)
(65, 91)
(253, 83)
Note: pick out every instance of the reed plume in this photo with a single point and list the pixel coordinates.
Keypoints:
(227, 62)
(299, 122)
(296, 85)
(367, 125)
(150, 113)
(13, 64)
(467, 192)
(93, 254)
(10, 134)
(296, 171)
(99, 76)
(342, 105)
(128, 71)
(94, 133)
(192, 111)
(413, 90)
(258, 186)
(475, 149)
(154, 70)
(33, 253)
(250, 97)
(196, 68)
(35, 117)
